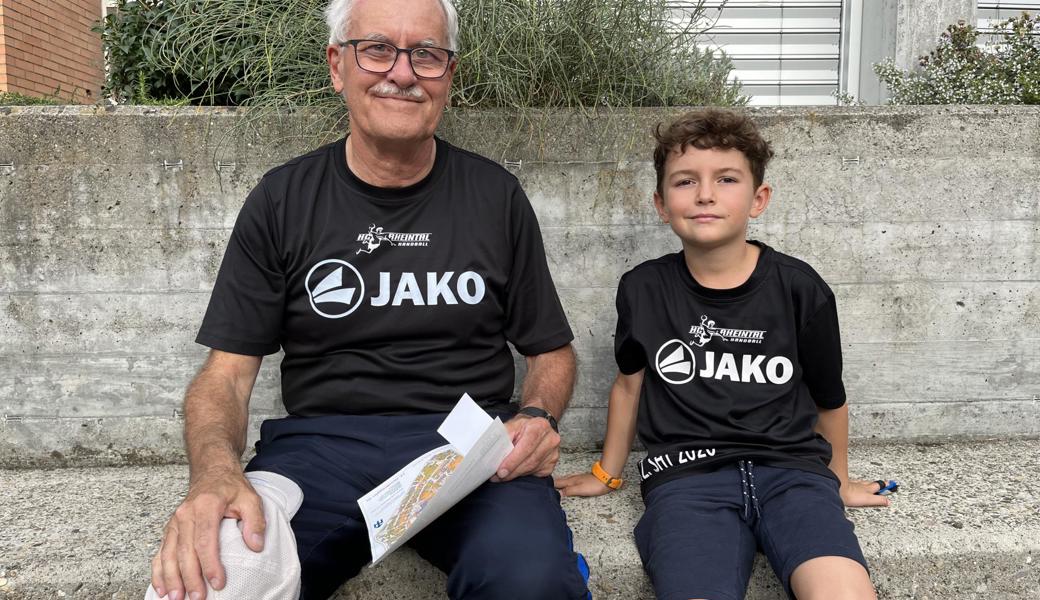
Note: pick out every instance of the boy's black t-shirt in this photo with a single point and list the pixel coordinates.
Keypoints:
(730, 374)
(386, 301)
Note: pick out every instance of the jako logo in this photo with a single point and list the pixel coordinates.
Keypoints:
(417, 289)
(677, 365)
(331, 289)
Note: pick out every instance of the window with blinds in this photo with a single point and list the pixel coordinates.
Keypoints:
(784, 52)
(991, 13)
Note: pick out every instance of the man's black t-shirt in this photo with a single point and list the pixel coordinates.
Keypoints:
(386, 301)
(730, 374)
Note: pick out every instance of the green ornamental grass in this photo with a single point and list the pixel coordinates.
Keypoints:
(514, 53)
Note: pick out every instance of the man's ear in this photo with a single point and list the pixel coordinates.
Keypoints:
(763, 195)
(333, 55)
(452, 67)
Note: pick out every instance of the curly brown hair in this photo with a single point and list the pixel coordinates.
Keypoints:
(713, 128)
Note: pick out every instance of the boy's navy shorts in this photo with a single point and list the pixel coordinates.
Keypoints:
(504, 540)
(699, 534)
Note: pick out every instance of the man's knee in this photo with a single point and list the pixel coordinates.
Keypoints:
(524, 575)
(273, 572)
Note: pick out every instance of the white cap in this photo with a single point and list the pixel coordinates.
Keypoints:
(274, 572)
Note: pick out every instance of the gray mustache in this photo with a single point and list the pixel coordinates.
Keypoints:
(388, 89)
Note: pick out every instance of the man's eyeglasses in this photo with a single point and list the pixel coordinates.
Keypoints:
(427, 62)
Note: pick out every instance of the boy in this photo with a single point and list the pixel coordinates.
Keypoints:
(729, 353)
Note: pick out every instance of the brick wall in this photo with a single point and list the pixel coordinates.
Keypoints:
(47, 48)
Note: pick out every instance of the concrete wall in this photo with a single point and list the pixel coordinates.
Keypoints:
(47, 48)
(924, 220)
(919, 23)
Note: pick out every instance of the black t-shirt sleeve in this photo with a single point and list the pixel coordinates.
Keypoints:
(534, 319)
(628, 353)
(819, 353)
(246, 308)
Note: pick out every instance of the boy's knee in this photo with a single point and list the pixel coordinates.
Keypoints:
(832, 578)
(847, 594)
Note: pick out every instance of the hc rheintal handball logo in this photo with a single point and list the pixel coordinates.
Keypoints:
(376, 237)
(675, 362)
(335, 285)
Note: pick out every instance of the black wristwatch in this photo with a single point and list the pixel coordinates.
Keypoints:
(534, 411)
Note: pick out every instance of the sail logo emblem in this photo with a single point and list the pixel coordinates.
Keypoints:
(336, 297)
(675, 362)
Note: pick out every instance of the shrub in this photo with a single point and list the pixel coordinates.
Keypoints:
(585, 53)
(16, 99)
(127, 34)
(958, 71)
(514, 53)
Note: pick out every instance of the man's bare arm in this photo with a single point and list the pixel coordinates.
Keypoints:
(216, 413)
(549, 385)
(216, 409)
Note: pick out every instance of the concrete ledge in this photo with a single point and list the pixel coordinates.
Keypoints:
(965, 525)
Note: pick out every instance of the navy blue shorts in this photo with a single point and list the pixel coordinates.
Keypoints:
(699, 534)
(505, 540)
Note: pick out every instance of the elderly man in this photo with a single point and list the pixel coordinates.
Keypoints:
(392, 268)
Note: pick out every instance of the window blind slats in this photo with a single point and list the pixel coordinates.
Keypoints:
(784, 52)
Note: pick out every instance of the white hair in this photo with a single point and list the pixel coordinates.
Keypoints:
(337, 17)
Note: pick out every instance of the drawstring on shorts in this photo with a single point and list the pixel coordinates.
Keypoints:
(747, 484)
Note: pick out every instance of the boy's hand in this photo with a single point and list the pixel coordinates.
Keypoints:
(582, 484)
(859, 492)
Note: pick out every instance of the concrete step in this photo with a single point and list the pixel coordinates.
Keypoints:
(966, 524)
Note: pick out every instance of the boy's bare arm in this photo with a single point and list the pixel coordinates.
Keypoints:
(834, 427)
(621, 430)
(216, 408)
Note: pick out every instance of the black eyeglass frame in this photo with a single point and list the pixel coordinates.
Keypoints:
(397, 55)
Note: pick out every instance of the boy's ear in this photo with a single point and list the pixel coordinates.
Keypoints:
(763, 195)
(659, 205)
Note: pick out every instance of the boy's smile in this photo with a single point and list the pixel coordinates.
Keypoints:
(708, 196)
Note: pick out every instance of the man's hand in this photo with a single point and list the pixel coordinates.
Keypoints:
(190, 549)
(858, 492)
(581, 484)
(536, 449)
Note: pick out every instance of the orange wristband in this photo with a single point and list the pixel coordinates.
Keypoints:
(609, 481)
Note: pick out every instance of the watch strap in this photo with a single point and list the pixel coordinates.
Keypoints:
(534, 411)
(607, 479)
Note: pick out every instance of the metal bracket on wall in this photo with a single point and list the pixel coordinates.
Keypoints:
(513, 166)
(846, 161)
(226, 166)
(5, 418)
(7, 167)
(172, 166)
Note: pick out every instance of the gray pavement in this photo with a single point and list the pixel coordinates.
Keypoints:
(966, 524)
